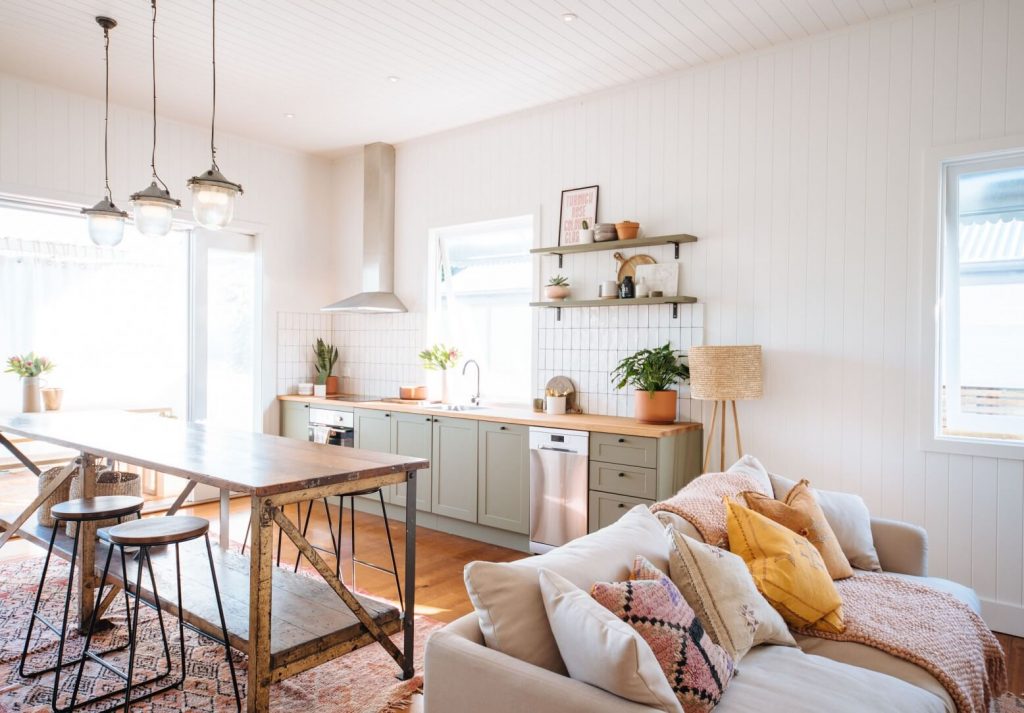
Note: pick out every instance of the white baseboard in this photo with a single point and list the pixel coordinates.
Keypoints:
(1002, 617)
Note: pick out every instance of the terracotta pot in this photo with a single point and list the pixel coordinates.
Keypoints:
(627, 229)
(333, 385)
(556, 292)
(655, 406)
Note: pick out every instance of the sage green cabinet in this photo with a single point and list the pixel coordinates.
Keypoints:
(413, 435)
(373, 433)
(454, 472)
(606, 508)
(295, 420)
(504, 477)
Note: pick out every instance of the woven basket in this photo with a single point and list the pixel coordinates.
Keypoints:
(60, 495)
(108, 482)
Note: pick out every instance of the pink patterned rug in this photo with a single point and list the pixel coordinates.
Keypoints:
(360, 682)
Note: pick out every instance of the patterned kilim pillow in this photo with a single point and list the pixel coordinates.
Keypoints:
(697, 668)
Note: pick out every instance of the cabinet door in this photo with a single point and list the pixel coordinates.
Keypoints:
(295, 420)
(412, 435)
(454, 468)
(606, 508)
(373, 433)
(504, 477)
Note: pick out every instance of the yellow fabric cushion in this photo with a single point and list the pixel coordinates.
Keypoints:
(801, 513)
(787, 570)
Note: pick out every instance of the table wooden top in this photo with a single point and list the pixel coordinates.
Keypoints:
(244, 462)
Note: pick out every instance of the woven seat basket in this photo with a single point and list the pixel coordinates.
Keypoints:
(108, 482)
(60, 495)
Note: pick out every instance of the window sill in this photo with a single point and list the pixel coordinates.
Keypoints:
(977, 447)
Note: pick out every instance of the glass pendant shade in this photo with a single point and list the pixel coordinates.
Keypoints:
(213, 199)
(105, 223)
(153, 211)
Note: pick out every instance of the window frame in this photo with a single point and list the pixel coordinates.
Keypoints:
(939, 166)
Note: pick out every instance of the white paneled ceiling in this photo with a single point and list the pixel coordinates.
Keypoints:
(328, 62)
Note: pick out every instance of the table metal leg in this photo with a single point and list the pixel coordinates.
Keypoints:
(225, 519)
(19, 455)
(408, 669)
(261, 567)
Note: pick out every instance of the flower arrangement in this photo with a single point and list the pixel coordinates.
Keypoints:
(440, 357)
(28, 365)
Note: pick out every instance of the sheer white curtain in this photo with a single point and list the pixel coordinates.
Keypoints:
(113, 320)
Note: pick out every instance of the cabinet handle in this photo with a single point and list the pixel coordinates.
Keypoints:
(387, 415)
(503, 428)
(622, 475)
(622, 440)
(428, 419)
(622, 505)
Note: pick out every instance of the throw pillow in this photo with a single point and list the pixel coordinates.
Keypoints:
(749, 465)
(697, 668)
(507, 597)
(717, 584)
(600, 649)
(849, 518)
(787, 569)
(801, 513)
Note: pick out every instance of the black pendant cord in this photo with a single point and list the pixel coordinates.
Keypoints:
(106, 113)
(213, 54)
(152, 159)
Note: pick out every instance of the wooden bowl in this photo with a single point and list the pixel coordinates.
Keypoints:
(627, 229)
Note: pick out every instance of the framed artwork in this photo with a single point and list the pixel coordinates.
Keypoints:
(578, 204)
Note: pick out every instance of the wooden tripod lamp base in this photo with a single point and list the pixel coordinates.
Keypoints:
(724, 375)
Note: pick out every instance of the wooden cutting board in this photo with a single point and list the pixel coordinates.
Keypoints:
(627, 266)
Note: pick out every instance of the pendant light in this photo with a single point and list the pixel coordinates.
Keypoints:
(213, 195)
(153, 207)
(105, 220)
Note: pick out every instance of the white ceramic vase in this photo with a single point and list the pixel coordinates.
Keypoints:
(31, 398)
(445, 395)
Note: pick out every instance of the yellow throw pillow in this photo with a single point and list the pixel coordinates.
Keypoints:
(801, 513)
(787, 570)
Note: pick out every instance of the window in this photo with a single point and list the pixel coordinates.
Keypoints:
(481, 301)
(981, 356)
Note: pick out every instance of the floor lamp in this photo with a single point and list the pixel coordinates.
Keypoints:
(725, 375)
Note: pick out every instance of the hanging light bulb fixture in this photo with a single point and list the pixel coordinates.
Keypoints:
(105, 220)
(153, 207)
(213, 195)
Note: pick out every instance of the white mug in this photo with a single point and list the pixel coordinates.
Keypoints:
(609, 288)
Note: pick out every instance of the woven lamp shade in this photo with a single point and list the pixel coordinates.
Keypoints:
(726, 373)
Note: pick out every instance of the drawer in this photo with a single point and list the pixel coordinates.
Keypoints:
(638, 451)
(606, 508)
(624, 480)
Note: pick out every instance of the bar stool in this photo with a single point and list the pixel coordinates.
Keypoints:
(77, 511)
(146, 534)
(387, 528)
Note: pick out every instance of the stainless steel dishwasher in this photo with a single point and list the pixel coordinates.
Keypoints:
(558, 487)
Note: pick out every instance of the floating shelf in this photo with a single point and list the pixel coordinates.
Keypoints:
(624, 302)
(561, 250)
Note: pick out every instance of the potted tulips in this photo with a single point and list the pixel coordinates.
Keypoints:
(441, 358)
(30, 368)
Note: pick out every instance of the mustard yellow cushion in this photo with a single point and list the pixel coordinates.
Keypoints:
(787, 570)
(801, 513)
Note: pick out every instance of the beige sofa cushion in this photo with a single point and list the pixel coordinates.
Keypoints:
(600, 649)
(507, 596)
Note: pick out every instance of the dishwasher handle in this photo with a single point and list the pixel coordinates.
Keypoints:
(560, 450)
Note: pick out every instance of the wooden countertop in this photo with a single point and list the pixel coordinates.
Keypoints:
(578, 422)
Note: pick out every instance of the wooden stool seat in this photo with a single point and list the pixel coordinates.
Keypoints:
(158, 531)
(101, 508)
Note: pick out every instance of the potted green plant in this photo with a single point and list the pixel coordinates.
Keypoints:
(652, 372)
(557, 288)
(29, 367)
(326, 357)
(586, 233)
(441, 358)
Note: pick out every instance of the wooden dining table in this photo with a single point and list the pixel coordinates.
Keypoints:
(286, 623)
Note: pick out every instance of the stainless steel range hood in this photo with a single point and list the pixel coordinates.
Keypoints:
(378, 294)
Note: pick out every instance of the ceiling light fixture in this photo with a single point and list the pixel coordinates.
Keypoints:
(213, 195)
(153, 207)
(105, 221)
(568, 16)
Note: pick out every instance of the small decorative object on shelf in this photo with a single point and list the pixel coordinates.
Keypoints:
(586, 234)
(651, 372)
(627, 229)
(29, 367)
(441, 358)
(557, 288)
(627, 290)
(605, 232)
(608, 290)
(578, 205)
(326, 358)
(641, 288)
(554, 403)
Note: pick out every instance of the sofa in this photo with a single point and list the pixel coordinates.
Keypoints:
(461, 674)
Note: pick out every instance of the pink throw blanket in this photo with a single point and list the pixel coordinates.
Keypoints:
(700, 503)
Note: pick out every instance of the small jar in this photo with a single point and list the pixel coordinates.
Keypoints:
(627, 290)
(641, 288)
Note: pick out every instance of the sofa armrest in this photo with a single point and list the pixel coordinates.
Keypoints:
(901, 546)
(461, 675)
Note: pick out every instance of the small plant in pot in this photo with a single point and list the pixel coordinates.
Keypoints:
(652, 372)
(557, 288)
(326, 357)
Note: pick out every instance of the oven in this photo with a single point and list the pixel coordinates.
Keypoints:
(336, 428)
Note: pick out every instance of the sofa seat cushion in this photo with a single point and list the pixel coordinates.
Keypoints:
(965, 594)
(780, 679)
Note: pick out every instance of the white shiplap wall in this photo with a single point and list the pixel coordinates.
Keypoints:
(798, 168)
(51, 147)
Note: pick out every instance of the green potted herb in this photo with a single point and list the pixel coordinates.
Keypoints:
(557, 288)
(441, 358)
(586, 233)
(326, 357)
(652, 372)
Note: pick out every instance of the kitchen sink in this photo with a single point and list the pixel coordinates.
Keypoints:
(454, 407)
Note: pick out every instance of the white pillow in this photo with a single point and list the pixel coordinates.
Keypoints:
(849, 518)
(507, 598)
(602, 650)
(751, 466)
